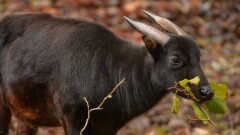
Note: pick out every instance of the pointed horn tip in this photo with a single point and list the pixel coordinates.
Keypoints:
(151, 15)
(146, 12)
(131, 22)
(127, 19)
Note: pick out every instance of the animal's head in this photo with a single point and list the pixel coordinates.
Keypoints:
(175, 56)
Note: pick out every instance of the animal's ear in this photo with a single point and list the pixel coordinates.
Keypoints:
(151, 45)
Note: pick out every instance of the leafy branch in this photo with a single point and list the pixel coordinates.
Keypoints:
(217, 105)
(99, 107)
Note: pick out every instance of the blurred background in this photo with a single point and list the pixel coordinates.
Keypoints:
(215, 25)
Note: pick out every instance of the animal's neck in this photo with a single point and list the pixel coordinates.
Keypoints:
(137, 94)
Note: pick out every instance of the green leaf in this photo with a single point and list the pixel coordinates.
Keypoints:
(188, 89)
(199, 113)
(220, 90)
(175, 107)
(109, 96)
(162, 130)
(195, 80)
(217, 105)
(184, 82)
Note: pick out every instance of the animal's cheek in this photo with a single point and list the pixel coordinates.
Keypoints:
(163, 79)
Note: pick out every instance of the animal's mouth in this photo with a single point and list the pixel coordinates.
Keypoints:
(180, 92)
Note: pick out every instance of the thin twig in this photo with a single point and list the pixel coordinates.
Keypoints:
(88, 116)
(205, 113)
(230, 122)
(187, 93)
(109, 95)
(99, 107)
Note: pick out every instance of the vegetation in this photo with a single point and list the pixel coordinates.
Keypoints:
(217, 105)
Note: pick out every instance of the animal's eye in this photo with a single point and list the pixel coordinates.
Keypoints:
(175, 60)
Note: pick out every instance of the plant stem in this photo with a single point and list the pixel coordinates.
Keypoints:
(205, 113)
(99, 107)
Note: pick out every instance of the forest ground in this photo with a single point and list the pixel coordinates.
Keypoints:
(215, 25)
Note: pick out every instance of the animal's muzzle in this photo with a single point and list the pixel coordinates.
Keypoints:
(205, 93)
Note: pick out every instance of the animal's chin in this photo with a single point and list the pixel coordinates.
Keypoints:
(183, 95)
(179, 93)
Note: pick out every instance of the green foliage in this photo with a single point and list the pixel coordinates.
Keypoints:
(162, 130)
(220, 90)
(199, 112)
(195, 80)
(217, 105)
(175, 106)
(184, 83)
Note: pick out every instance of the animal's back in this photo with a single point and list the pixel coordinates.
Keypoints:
(42, 56)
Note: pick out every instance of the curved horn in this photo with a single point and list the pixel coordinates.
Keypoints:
(157, 35)
(166, 24)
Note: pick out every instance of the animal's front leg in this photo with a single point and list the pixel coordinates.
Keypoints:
(73, 122)
(5, 118)
(73, 117)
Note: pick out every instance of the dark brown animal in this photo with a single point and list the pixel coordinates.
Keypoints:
(49, 64)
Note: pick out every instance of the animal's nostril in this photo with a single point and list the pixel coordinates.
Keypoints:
(206, 91)
(203, 92)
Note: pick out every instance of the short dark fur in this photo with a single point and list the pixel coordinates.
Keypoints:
(49, 64)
